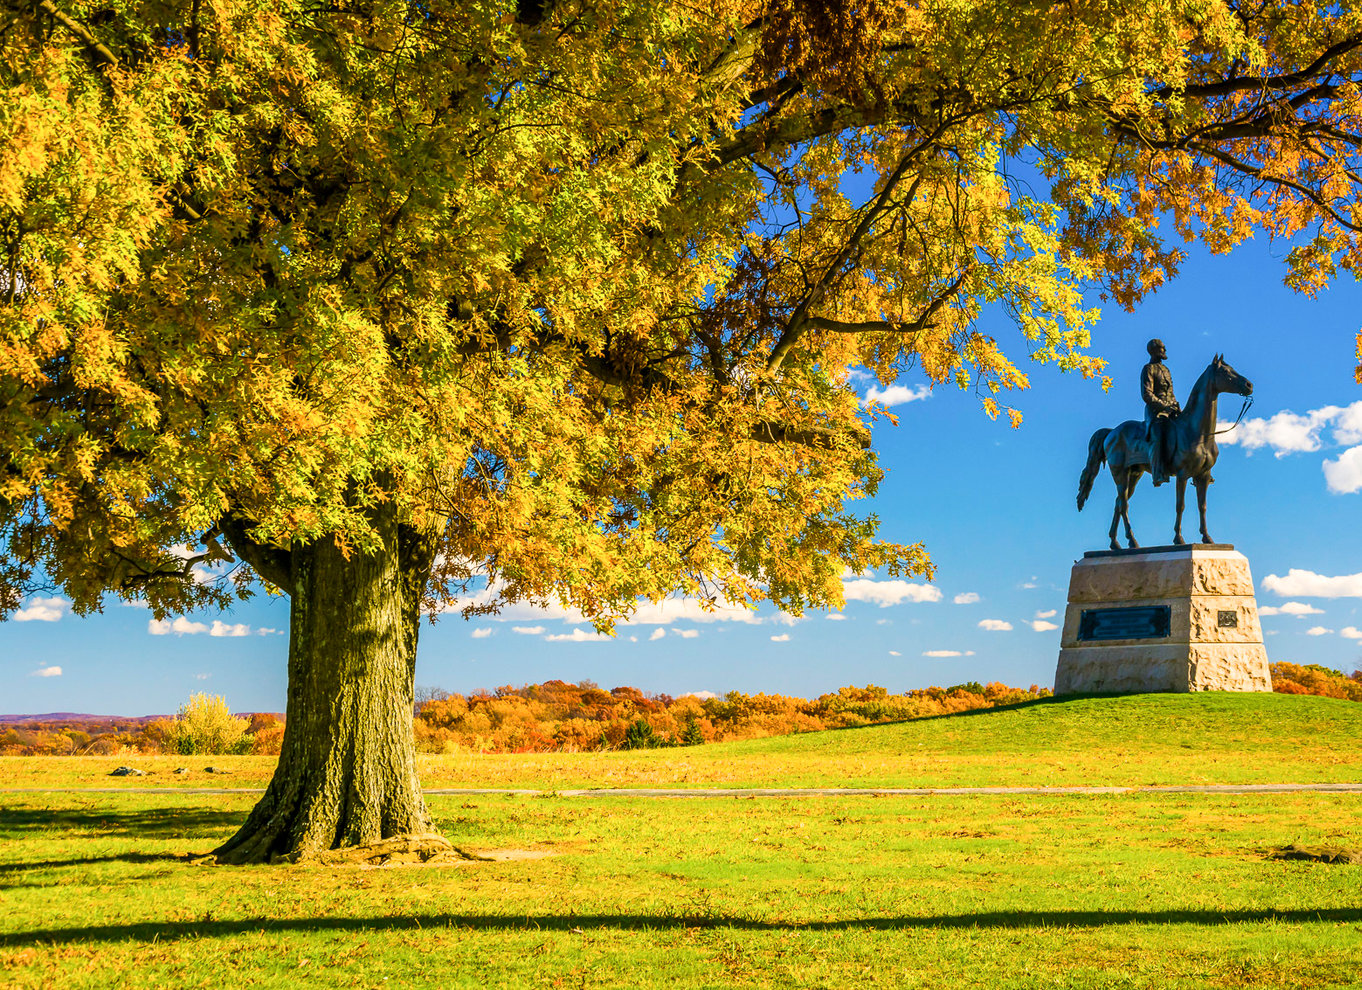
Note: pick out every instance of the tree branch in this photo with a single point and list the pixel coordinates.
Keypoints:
(798, 322)
(94, 48)
(823, 437)
(1240, 84)
(274, 564)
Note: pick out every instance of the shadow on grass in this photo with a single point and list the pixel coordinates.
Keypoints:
(16, 875)
(1015, 706)
(57, 864)
(147, 823)
(166, 931)
(1172, 697)
(1059, 701)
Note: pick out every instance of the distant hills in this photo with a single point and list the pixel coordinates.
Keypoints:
(79, 718)
(52, 717)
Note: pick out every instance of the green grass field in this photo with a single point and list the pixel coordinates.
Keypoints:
(1130, 741)
(1134, 890)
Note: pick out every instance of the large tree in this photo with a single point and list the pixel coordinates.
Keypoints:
(379, 299)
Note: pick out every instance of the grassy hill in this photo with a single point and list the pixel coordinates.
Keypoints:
(1136, 740)
(1143, 891)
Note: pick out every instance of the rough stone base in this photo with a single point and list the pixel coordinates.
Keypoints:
(1197, 582)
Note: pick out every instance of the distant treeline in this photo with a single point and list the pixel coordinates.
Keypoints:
(1311, 678)
(260, 732)
(559, 717)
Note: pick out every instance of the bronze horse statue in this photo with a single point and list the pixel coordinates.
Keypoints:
(1191, 436)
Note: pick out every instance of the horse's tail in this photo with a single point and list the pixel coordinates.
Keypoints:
(1096, 457)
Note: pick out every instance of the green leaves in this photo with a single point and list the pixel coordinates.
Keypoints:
(584, 297)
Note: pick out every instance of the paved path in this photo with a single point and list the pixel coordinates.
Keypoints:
(746, 792)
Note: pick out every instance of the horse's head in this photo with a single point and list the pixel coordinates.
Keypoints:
(1226, 379)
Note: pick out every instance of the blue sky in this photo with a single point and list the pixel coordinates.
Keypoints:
(994, 505)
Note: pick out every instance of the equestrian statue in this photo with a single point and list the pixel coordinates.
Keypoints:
(1171, 442)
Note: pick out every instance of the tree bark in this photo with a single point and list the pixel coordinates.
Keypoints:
(347, 769)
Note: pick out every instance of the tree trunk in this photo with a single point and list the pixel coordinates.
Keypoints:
(347, 770)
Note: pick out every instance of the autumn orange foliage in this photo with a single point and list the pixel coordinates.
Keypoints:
(1311, 678)
(78, 735)
(557, 716)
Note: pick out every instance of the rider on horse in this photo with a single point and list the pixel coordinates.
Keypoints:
(1160, 406)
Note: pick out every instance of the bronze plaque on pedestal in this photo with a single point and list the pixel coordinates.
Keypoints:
(1136, 622)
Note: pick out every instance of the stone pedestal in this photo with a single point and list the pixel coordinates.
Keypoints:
(1177, 618)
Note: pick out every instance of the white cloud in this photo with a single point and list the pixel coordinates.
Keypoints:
(208, 573)
(527, 630)
(1317, 631)
(512, 611)
(223, 629)
(269, 631)
(579, 636)
(46, 672)
(203, 572)
(180, 626)
(42, 610)
(1350, 632)
(658, 633)
(1348, 425)
(202, 677)
(835, 617)
(966, 598)
(1286, 432)
(702, 695)
(1344, 474)
(686, 633)
(666, 612)
(1047, 614)
(1040, 625)
(897, 395)
(995, 625)
(895, 653)
(782, 638)
(1298, 609)
(482, 632)
(942, 653)
(671, 610)
(1307, 584)
(1292, 433)
(886, 593)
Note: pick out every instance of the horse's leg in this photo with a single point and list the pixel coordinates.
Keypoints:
(1133, 475)
(1117, 509)
(1182, 498)
(1202, 482)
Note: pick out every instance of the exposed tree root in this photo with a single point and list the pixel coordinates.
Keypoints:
(421, 847)
(417, 849)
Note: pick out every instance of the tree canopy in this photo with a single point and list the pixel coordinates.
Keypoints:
(579, 291)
